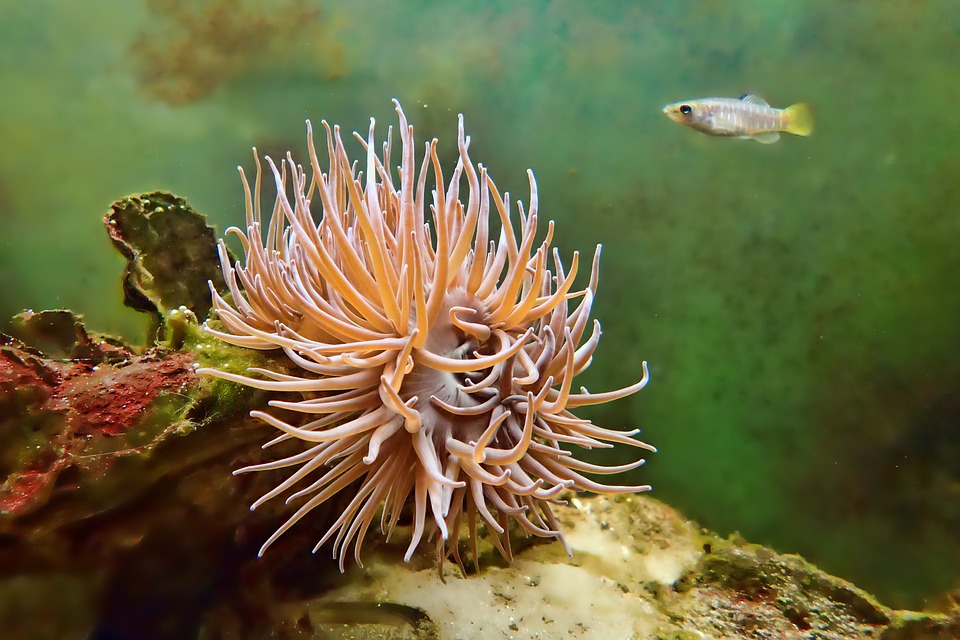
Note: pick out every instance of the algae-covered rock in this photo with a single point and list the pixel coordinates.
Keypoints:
(90, 425)
(639, 570)
(62, 334)
(171, 253)
(103, 445)
(82, 438)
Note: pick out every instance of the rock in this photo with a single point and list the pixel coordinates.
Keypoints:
(639, 570)
(171, 254)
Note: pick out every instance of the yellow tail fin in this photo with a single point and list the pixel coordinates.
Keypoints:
(799, 119)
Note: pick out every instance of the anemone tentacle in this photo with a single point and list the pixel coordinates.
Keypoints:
(435, 365)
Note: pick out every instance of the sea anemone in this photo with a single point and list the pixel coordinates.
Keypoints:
(434, 365)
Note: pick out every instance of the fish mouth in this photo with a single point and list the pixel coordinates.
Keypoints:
(671, 112)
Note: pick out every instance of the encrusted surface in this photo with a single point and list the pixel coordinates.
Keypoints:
(639, 570)
(171, 253)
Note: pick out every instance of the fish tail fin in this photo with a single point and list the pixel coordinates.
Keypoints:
(799, 119)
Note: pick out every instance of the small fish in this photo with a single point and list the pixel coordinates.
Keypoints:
(746, 117)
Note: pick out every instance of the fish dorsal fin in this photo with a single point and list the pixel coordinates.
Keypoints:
(753, 99)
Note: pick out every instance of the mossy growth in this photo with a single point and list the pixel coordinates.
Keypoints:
(787, 581)
(171, 254)
(216, 397)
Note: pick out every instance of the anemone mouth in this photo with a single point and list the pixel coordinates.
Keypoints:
(436, 364)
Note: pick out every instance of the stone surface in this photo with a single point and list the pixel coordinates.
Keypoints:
(639, 570)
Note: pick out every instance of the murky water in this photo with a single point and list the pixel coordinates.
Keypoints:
(797, 302)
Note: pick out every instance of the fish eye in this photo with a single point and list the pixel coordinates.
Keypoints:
(685, 109)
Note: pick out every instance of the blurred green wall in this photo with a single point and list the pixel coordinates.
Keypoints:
(798, 302)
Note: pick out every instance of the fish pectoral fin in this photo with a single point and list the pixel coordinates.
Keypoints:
(767, 137)
(753, 99)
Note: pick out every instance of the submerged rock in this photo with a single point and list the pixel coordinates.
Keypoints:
(171, 254)
(639, 570)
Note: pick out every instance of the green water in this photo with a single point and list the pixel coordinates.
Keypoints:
(798, 302)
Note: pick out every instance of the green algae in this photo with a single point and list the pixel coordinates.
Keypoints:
(789, 582)
(908, 625)
(220, 397)
(757, 588)
(62, 334)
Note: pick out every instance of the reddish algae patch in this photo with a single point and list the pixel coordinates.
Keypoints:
(59, 411)
(108, 400)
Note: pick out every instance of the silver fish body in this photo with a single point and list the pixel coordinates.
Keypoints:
(746, 117)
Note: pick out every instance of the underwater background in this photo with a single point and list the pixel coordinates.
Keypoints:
(798, 303)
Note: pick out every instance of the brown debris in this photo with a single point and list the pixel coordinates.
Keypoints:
(190, 49)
